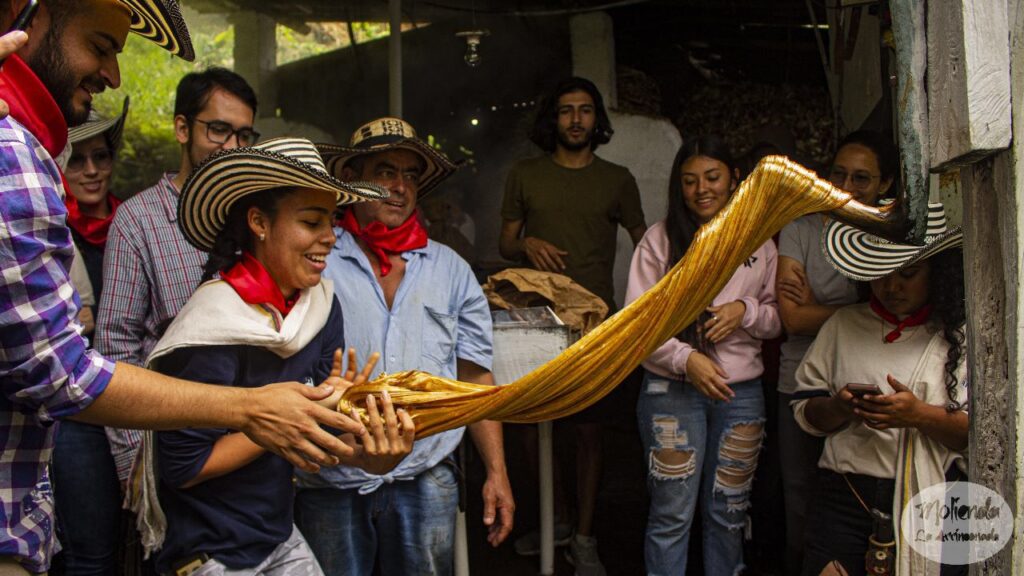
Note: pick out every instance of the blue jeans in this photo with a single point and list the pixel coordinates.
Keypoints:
(698, 449)
(407, 527)
(88, 499)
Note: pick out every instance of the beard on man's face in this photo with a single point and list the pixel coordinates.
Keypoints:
(574, 145)
(51, 67)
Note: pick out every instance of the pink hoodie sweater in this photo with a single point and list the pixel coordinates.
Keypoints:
(753, 283)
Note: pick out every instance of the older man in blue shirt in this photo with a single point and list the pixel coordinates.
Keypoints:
(418, 304)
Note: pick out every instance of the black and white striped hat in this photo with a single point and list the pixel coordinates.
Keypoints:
(865, 257)
(160, 22)
(227, 176)
(112, 128)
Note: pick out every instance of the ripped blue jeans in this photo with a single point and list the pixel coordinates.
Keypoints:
(698, 449)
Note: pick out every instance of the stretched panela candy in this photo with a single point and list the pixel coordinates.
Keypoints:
(776, 192)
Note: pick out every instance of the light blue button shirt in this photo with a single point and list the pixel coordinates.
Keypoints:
(439, 314)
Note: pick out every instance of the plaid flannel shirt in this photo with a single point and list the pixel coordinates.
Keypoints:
(47, 371)
(149, 272)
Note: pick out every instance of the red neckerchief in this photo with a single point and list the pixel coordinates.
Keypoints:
(254, 285)
(32, 105)
(382, 240)
(92, 230)
(915, 319)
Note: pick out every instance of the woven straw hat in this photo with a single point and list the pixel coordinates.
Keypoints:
(160, 21)
(385, 134)
(865, 257)
(227, 176)
(112, 128)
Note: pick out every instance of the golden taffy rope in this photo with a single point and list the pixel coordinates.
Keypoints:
(776, 192)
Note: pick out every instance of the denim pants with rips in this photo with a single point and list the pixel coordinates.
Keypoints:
(698, 449)
(407, 526)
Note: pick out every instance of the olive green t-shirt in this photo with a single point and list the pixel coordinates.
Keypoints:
(578, 210)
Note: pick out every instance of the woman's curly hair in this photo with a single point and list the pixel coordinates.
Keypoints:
(946, 294)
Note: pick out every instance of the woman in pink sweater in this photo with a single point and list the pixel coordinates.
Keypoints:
(701, 410)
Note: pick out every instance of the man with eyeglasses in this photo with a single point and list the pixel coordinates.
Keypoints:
(149, 269)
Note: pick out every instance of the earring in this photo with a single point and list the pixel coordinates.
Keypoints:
(262, 236)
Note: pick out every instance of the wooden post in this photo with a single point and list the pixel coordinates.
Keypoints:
(968, 121)
(908, 26)
(990, 265)
(968, 81)
(993, 192)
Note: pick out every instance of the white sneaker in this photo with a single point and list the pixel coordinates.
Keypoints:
(582, 554)
(529, 544)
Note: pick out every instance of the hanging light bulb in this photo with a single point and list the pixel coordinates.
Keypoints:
(473, 38)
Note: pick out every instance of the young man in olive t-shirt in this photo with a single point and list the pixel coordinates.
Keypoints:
(562, 211)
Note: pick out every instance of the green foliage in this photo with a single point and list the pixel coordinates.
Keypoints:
(324, 37)
(150, 75)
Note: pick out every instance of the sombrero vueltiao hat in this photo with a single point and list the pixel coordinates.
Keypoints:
(160, 21)
(112, 128)
(227, 176)
(385, 134)
(865, 257)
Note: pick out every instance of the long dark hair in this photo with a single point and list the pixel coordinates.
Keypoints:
(236, 237)
(680, 224)
(949, 314)
(545, 125)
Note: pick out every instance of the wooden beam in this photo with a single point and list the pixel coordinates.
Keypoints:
(908, 26)
(1015, 18)
(994, 240)
(992, 248)
(968, 81)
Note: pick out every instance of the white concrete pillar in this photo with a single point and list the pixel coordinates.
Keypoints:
(255, 55)
(593, 52)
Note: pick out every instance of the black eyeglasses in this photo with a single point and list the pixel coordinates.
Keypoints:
(858, 180)
(221, 132)
(101, 160)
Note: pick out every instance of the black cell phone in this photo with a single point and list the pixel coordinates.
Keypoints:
(24, 19)
(860, 389)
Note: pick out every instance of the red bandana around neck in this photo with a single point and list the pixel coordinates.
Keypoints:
(32, 105)
(915, 319)
(382, 240)
(254, 285)
(92, 230)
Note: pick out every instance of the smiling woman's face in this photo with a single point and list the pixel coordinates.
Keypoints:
(707, 185)
(89, 169)
(296, 240)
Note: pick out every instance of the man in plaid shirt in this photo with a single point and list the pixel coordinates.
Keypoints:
(149, 269)
(47, 371)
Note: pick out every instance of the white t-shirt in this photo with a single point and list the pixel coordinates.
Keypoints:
(850, 348)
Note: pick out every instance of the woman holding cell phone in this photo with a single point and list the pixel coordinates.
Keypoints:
(810, 291)
(885, 384)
